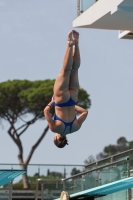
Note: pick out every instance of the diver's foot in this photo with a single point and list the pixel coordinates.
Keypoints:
(75, 37)
(70, 40)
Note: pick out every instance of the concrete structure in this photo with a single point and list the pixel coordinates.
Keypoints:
(106, 14)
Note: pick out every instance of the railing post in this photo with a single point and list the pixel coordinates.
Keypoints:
(36, 193)
(111, 161)
(42, 188)
(78, 7)
(64, 172)
(38, 171)
(128, 171)
(10, 190)
(63, 182)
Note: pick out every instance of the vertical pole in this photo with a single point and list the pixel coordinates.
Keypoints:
(38, 171)
(36, 194)
(64, 172)
(10, 190)
(111, 160)
(78, 7)
(42, 188)
(128, 171)
(63, 182)
(82, 184)
(83, 180)
(56, 184)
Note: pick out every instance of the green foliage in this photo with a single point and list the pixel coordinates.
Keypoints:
(90, 160)
(83, 99)
(49, 180)
(122, 145)
(55, 175)
(19, 97)
(75, 171)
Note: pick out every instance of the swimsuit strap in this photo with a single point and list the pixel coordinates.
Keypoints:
(65, 123)
(57, 118)
(68, 124)
(72, 124)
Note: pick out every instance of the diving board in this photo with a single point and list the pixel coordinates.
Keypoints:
(103, 190)
(7, 176)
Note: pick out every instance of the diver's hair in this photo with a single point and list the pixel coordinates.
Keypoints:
(61, 143)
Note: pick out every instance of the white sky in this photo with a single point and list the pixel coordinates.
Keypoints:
(32, 42)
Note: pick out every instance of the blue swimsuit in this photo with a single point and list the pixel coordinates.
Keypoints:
(70, 102)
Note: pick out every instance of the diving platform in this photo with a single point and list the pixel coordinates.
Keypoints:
(105, 14)
(104, 189)
(6, 179)
(110, 178)
(125, 35)
(7, 176)
(107, 179)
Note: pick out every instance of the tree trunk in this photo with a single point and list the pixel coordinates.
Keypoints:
(24, 165)
(25, 180)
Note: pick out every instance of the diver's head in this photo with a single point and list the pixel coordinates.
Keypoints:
(60, 141)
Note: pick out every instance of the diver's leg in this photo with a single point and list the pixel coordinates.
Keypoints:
(61, 86)
(74, 80)
(76, 51)
(74, 85)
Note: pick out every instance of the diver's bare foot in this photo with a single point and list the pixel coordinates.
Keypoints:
(75, 37)
(70, 39)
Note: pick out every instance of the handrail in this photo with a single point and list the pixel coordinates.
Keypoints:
(48, 179)
(125, 153)
(64, 165)
(98, 168)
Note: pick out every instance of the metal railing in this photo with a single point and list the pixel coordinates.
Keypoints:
(107, 170)
(110, 158)
(83, 5)
(6, 191)
(96, 169)
(48, 188)
(35, 171)
(76, 182)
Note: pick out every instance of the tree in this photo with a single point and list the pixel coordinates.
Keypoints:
(54, 174)
(19, 98)
(75, 171)
(121, 145)
(90, 160)
(50, 181)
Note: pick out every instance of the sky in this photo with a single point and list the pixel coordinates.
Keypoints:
(33, 35)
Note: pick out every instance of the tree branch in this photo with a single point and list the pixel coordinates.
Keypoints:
(13, 138)
(5, 115)
(17, 141)
(26, 125)
(36, 145)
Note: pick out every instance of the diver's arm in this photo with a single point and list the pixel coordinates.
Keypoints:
(83, 114)
(48, 115)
